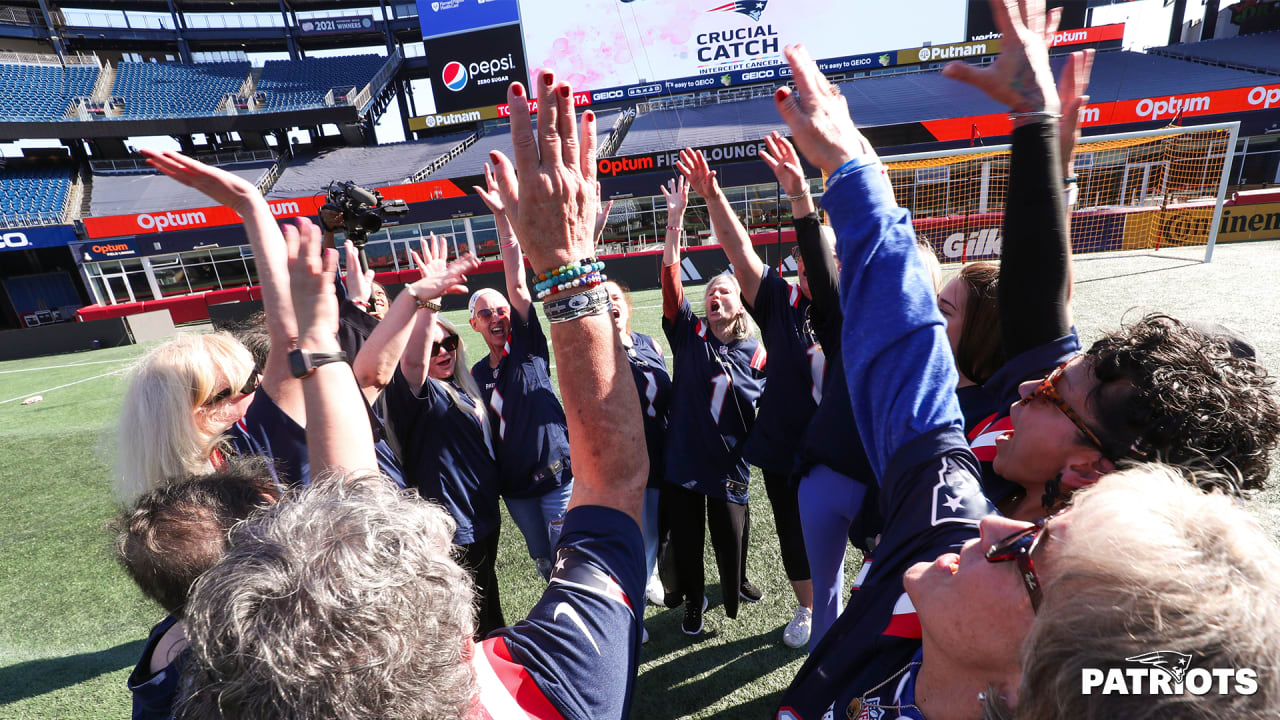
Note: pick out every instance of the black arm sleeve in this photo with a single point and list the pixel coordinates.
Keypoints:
(1035, 262)
(824, 289)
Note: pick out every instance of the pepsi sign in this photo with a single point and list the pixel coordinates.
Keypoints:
(473, 69)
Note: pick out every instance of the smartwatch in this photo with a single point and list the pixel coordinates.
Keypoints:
(302, 363)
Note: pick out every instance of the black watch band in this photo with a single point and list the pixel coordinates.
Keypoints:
(302, 363)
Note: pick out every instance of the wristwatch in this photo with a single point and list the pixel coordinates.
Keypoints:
(302, 363)
(422, 304)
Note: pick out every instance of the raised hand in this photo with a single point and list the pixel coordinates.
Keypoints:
(1072, 83)
(693, 166)
(785, 164)
(221, 186)
(818, 115)
(1021, 77)
(550, 193)
(359, 283)
(440, 277)
(489, 194)
(311, 270)
(676, 193)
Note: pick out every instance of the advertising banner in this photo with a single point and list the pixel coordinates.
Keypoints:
(335, 25)
(447, 119)
(447, 17)
(115, 226)
(475, 68)
(112, 250)
(605, 44)
(946, 53)
(979, 236)
(1250, 222)
(980, 25)
(666, 161)
(36, 237)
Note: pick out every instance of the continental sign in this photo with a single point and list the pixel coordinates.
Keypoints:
(1119, 112)
(218, 216)
(447, 119)
(943, 53)
(1250, 222)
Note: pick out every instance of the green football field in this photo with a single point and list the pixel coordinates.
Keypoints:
(72, 625)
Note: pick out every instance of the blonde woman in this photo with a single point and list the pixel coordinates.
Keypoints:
(716, 383)
(182, 399)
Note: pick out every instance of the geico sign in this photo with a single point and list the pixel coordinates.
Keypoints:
(1153, 109)
(14, 240)
(761, 75)
(1264, 96)
(607, 95)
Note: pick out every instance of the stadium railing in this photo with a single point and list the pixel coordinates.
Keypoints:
(17, 58)
(444, 159)
(125, 166)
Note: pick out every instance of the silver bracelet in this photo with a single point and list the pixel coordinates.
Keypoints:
(571, 307)
(798, 196)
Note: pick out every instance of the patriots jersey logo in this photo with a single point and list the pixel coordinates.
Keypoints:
(954, 497)
(868, 709)
(751, 8)
(1174, 663)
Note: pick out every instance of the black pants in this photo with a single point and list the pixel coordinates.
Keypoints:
(479, 558)
(786, 517)
(730, 524)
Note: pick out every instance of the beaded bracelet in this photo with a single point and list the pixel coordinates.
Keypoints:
(589, 280)
(571, 307)
(567, 272)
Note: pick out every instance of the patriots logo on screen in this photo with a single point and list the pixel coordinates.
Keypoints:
(751, 8)
(1172, 662)
(454, 76)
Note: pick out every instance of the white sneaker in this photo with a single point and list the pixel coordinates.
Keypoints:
(796, 634)
(654, 590)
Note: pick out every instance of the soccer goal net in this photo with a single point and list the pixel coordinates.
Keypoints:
(1143, 190)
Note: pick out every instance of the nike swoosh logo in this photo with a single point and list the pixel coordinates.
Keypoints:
(572, 612)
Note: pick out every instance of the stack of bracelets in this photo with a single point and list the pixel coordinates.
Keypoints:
(577, 274)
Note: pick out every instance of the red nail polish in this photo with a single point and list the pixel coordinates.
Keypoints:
(591, 116)
(548, 79)
(517, 89)
(564, 91)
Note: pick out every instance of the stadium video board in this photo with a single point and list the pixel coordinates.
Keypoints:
(632, 48)
(473, 69)
(448, 17)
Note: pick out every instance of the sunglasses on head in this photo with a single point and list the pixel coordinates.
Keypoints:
(1048, 390)
(1019, 547)
(486, 313)
(449, 344)
(249, 386)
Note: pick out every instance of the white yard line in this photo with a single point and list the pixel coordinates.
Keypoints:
(67, 385)
(56, 367)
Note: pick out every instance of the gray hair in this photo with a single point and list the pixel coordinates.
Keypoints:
(342, 601)
(1151, 563)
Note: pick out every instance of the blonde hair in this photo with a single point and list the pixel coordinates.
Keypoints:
(742, 327)
(158, 438)
(463, 379)
(1151, 563)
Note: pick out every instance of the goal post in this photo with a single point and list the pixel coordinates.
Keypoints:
(1143, 190)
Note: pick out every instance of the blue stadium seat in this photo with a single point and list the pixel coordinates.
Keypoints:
(299, 84)
(158, 90)
(1260, 51)
(42, 92)
(29, 191)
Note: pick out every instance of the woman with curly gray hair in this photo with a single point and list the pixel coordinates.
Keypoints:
(346, 600)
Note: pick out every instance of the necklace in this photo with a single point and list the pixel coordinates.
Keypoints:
(858, 703)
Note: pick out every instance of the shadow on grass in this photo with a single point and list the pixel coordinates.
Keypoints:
(37, 677)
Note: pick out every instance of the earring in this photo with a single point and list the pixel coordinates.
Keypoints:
(982, 697)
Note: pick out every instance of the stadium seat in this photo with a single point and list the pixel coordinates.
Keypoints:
(368, 166)
(299, 84)
(42, 92)
(1260, 51)
(157, 90)
(31, 191)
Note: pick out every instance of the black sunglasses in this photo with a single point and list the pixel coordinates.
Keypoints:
(249, 386)
(486, 313)
(1019, 547)
(450, 344)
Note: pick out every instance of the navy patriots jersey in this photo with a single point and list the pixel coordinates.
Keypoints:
(1002, 389)
(901, 380)
(268, 431)
(575, 656)
(446, 453)
(796, 369)
(527, 419)
(153, 695)
(649, 369)
(713, 407)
